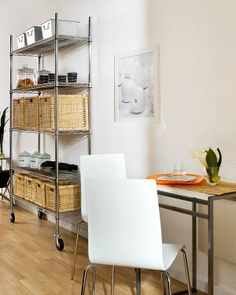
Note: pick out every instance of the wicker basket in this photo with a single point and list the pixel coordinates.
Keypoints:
(32, 113)
(69, 197)
(19, 113)
(40, 197)
(72, 113)
(19, 185)
(30, 188)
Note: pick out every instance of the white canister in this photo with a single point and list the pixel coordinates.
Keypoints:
(43, 158)
(34, 160)
(24, 159)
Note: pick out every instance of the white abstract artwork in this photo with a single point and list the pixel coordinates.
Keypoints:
(136, 89)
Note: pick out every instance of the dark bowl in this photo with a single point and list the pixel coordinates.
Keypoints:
(72, 77)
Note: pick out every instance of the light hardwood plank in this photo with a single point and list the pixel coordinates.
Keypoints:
(30, 263)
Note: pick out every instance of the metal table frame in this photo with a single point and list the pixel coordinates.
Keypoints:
(209, 202)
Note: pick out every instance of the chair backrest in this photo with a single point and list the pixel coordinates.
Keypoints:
(99, 165)
(124, 223)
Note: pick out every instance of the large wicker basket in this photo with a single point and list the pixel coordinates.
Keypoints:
(30, 188)
(40, 197)
(72, 113)
(19, 185)
(32, 113)
(19, 113)
(69, 197)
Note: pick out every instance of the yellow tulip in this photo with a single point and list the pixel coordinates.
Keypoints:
(201, 156)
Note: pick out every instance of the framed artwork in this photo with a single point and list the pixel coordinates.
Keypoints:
(136, 85)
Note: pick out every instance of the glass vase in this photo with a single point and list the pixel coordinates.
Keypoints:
(212, 177)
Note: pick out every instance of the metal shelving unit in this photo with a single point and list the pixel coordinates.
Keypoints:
(49, 86)
(47, 46)
(64, 176)
(43, 47)
(60, 132)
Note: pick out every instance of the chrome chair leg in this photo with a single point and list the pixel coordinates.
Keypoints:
(93, 280)
(75, 251)
(113, 273)
(163, 283)
(138, 281)
(187, 272)
(84, 279)
(168, 280)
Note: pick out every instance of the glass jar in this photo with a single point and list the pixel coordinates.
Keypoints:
(42, 76)
(25, 77)
(43, 158)
(24, 159)
(34, 160)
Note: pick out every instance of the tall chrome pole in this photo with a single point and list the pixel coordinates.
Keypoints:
(12, 216)
(89, 80)
(57, 195)
(39, 93)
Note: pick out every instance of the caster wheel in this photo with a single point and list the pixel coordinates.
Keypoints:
(59, 244)
(12, 217)
(41, 215)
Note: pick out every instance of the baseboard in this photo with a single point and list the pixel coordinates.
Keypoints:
(201, 284)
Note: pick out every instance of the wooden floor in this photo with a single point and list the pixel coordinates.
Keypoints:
(30, 264)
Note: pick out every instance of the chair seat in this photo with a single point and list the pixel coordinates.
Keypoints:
(170, 251)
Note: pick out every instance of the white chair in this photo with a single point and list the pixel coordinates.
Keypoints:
(124, 228)
(99, 165)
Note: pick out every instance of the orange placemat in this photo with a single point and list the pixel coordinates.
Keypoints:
(197, 180)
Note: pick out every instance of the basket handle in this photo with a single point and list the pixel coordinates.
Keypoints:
(20, 39)
(30, 32)
(46, 26)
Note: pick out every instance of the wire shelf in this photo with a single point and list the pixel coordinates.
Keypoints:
(48, 86)
(42, 209)
(53, 132)
(64, 176)
(46, 46)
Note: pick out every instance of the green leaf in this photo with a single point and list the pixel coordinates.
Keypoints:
(220, 159)
(3, 120)
(211, 159)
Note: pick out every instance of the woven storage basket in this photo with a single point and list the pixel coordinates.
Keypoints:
(30, 188)
(69, 197)
(72, 113)
(19, 185)
(40, 197)
(32, 113)
(19, 113)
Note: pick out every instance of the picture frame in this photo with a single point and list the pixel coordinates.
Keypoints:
(137, 85)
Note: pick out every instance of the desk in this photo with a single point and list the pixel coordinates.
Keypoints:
(205, 195)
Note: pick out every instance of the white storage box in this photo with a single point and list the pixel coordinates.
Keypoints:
(21, 40)
(67, 28)
(33, 35)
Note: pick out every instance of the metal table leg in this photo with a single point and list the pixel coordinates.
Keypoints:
(194, 249)
(210, 249)
(138, 281)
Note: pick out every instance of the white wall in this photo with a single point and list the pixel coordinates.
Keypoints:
(197, 71)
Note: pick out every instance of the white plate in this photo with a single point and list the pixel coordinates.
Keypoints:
(177, 177)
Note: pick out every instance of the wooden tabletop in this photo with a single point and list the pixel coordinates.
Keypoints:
(201, 191)
(219, 189)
